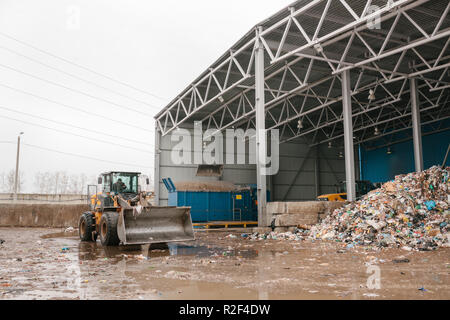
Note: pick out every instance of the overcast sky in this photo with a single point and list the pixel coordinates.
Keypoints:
(159, 47)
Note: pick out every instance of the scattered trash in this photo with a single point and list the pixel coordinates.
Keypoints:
(292, 236)
(371, 295)
(231, 236)
(70, 229)
(401, 260)
(411, 212)
(65, 250)
(2, 241)
(423, 289)
(430, 205)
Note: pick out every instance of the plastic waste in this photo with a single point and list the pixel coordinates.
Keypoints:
(410, 212)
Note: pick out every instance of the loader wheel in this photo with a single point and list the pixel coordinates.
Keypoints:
(86, 227)
(108, 229)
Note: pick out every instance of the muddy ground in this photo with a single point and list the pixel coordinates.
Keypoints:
(47, 264)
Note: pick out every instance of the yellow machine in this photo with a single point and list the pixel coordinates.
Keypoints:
(122, 214)
(362, 188)
(341, 197)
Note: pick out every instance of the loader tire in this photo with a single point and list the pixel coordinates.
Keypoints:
(108, 229)
(86, 227)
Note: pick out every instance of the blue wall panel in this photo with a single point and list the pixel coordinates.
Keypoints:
(378, 166)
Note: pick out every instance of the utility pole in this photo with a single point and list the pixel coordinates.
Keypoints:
(16, 180)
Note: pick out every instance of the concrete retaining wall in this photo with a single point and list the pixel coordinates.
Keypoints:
(44, 197)
(41, 215)
(294, 214)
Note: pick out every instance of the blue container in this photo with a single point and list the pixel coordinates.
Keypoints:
(207, 206)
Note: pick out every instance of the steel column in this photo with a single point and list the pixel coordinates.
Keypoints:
(157, 177)
(261, 141)
(417, 130)
(348, 137)
(317, 171)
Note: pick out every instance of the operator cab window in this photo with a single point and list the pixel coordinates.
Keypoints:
(125, 183)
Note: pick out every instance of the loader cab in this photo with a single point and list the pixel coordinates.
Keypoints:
(120, 182)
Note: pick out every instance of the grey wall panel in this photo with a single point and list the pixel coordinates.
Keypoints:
(328, 189)
(328, 178)
(238, 174)
(296, 193)
(293, 163)
(290, 149)
(296, 155)
(286, 178)
(292, 155)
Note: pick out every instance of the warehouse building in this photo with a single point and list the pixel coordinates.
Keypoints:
(357, 89)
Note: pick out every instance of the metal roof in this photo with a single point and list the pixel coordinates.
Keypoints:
(307, 47)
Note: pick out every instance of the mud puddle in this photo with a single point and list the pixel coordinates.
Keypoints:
(69, 234)
(94, 251)
(50, 264)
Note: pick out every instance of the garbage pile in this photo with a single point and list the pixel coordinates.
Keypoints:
(411, 212)
(291, 236)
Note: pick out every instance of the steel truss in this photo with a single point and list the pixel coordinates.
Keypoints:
(307, 49)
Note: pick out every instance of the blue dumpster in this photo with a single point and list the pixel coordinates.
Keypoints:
(208, 206)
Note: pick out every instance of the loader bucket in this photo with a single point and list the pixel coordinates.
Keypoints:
(155, 225)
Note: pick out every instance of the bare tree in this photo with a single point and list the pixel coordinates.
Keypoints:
(8, 181)
(60, 182)
(3, 182)
(64, 183)
(73, 184)
(82, 184)
(55, 182)
(43, 182)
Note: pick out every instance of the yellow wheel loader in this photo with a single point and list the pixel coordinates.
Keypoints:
(362, 188)
(122, 215)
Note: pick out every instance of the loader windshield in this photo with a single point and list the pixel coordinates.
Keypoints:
(124, 183)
